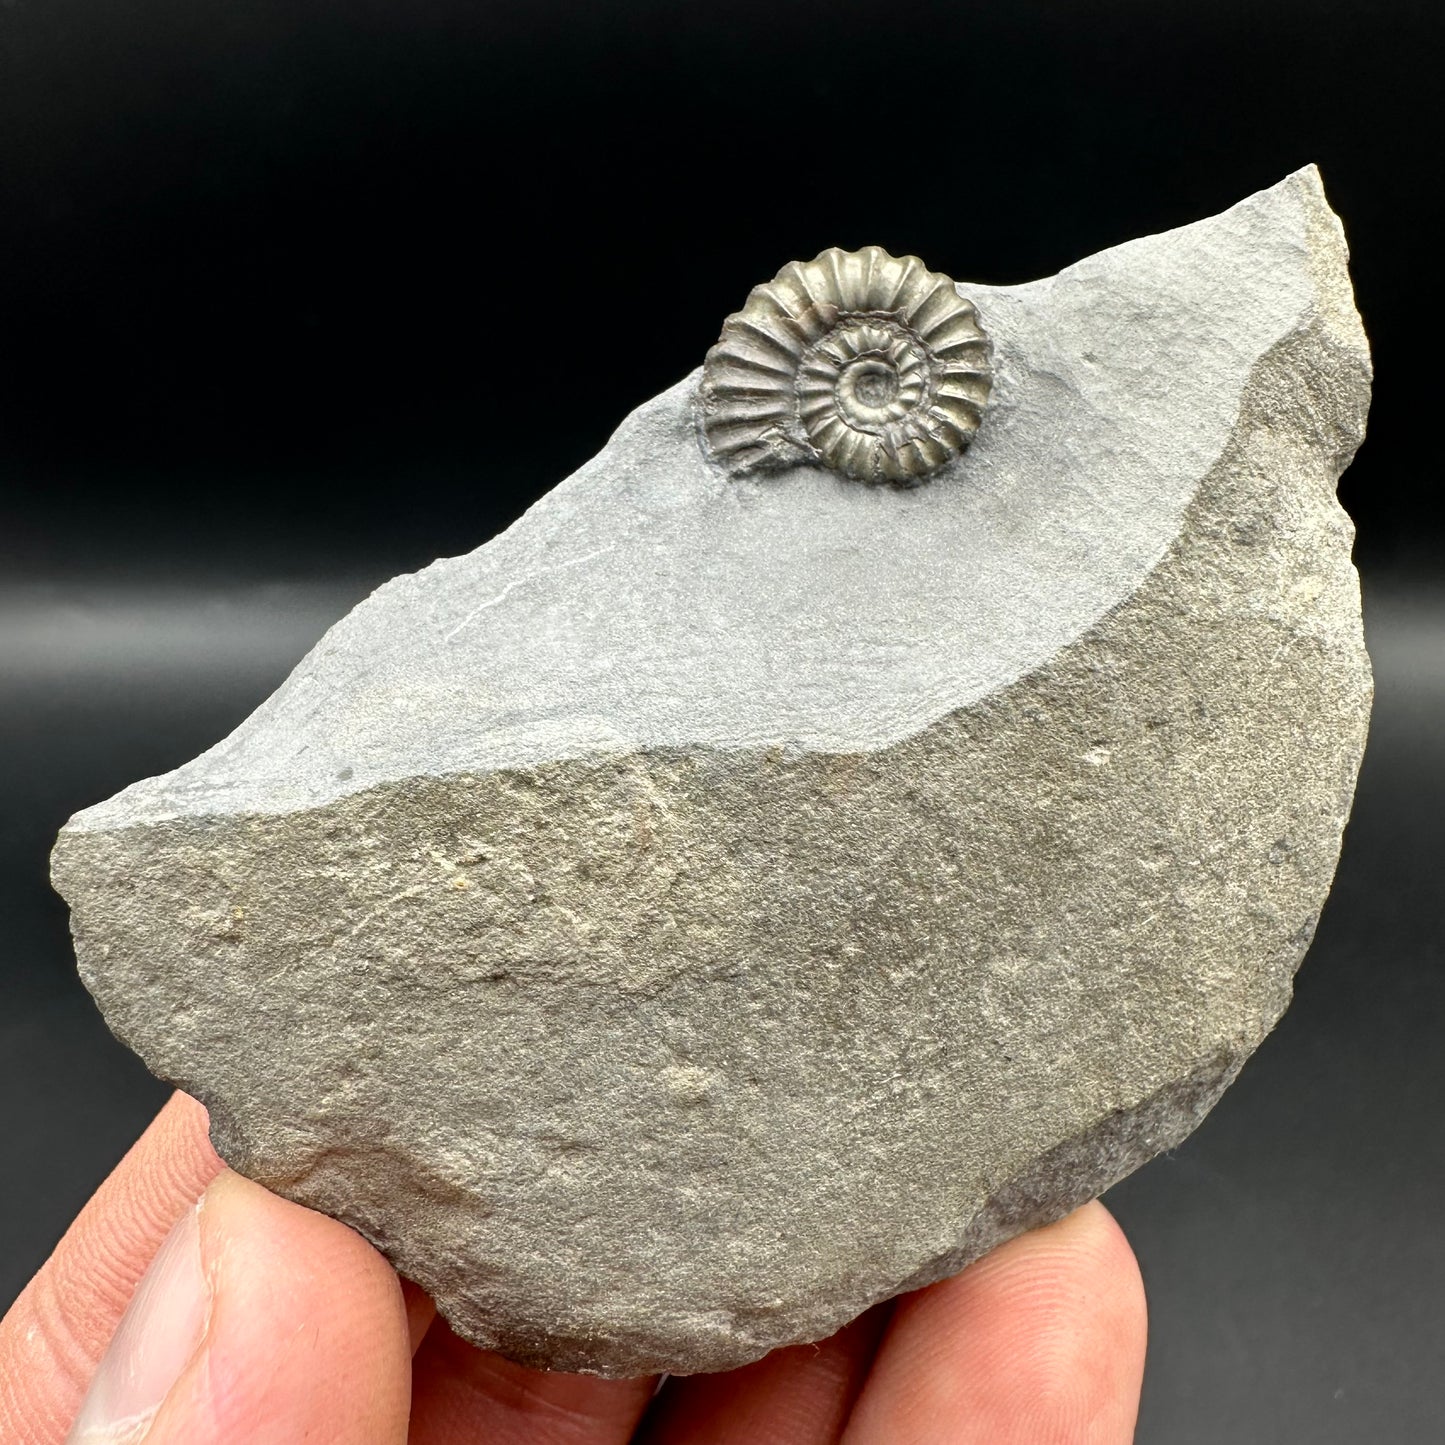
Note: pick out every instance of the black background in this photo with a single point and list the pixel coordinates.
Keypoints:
(295, 296)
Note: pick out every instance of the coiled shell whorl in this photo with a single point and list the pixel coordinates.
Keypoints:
(871, 365)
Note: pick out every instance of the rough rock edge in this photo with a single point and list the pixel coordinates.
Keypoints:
(1272, 402)
(1089, 1164)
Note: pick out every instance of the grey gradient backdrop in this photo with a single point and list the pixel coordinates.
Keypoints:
(281, 291)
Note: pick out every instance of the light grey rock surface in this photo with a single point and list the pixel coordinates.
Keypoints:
(718, 903)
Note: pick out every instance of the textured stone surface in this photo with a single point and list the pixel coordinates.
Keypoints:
(718, 904)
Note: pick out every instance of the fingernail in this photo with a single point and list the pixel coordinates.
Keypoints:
(158, 1334)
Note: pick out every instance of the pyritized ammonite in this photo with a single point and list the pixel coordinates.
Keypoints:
(860, 361)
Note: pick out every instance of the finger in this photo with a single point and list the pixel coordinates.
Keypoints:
(258, 1321)
(1039, 1343)
(461, 1394)
(56, 1331)
(796, 1396)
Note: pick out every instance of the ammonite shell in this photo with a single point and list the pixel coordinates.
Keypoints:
(871, 365)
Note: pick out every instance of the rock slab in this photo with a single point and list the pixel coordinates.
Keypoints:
(718, 904)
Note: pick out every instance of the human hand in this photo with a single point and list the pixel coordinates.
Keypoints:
(258, 1321)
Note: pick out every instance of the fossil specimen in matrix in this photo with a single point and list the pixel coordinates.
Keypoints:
(870, 365)
(738, 893)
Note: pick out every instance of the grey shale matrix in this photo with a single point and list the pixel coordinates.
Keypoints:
(735, 895)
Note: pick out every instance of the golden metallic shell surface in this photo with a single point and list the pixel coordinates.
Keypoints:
(860, 361)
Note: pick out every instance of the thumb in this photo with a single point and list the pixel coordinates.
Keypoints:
(261, 1321)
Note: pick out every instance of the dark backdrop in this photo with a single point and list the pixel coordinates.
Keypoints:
(297, 295)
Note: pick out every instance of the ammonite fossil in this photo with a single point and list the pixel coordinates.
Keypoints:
(858, 361)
